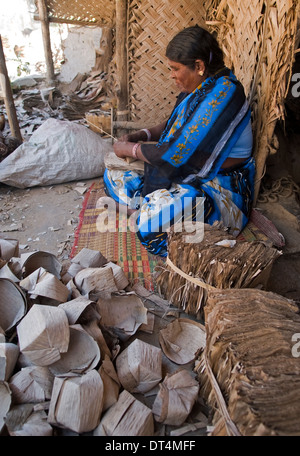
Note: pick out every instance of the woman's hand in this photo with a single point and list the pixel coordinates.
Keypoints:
(123, 149)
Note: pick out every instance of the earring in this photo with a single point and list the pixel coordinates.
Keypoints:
(201, 73)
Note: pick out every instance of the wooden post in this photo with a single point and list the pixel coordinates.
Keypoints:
(43, 16)
(8, 97)
(121, 60)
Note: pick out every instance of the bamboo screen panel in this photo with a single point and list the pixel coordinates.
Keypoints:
(258, 40)
(151, 25)
(84, 12)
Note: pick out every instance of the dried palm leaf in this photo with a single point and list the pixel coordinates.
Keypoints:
(9, 248)
(80, 310)
(94, 282)
(182, 340)
(7, 273)
(23, 420)
(218, 261)
(120, 278)
(93, 329)
(41, 259)
(125, 313)
(31, 384)
(139, 366)
(44, 334)
(249, 369)
(13, 304)
(127, 417)
(5, 403)
(88, 258)
(83, 354)
(111, 383)
(176, 398)
(76, 402)
(41, 283)
(8, 358)
(111, 161)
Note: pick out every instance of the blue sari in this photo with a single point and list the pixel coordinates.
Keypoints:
(186, 164)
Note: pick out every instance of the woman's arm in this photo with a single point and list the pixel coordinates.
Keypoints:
(125, 149)
(128, 146)
(141, 135)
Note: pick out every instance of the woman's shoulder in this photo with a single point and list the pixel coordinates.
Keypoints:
(226, 77)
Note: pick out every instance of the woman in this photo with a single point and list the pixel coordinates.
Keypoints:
(203, 150)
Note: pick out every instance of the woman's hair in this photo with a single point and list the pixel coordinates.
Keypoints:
(195, 43)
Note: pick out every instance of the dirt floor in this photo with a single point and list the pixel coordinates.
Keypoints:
(42, 218)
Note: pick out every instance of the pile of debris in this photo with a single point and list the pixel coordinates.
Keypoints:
(74, 353)
(35, 103)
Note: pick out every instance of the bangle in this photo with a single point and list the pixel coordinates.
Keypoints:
(134, 151)
(148, 133)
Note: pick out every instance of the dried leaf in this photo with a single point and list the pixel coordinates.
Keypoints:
(176, 398)
(127, 417)
(31, 384)
(182, 340)
(44, 334)
(13, 304)
(83, 354)
(139, 366)
(8, 358)
(125, 313)
(76, 402)
(111, 383)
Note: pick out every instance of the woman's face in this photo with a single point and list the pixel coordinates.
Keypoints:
(184, 77)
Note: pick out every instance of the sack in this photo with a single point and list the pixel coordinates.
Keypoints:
(58, 151)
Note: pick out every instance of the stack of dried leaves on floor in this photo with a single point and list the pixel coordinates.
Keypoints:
(249, 369)
(217, 260)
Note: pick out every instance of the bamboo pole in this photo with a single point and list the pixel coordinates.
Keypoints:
(8, 97)
(121, 60)
(43, 15)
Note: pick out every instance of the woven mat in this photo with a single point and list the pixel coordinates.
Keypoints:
(124, 248)
(118, 245)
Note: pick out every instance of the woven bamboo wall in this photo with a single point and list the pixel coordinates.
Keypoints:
(84, 12)
(151, 25)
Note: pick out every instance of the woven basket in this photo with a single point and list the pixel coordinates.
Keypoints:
(151, 25)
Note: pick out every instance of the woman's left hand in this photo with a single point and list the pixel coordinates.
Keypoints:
(123, 149)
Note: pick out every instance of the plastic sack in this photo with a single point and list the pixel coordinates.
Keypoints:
(58, 151)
